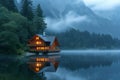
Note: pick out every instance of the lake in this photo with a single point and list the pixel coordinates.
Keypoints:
(88, 65)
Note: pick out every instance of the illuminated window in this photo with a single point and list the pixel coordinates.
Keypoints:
(38, 42)
(42, 48)
(37, 38)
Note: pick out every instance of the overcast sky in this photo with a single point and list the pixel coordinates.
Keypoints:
(72, 19)
(102, 4)
(99, 4)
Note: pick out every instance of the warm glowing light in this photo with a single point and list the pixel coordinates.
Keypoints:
(37, 38)
(42, 59)
(37, 69)
(37, 59)
(38, 64)
(46, 59)
(37, 48)
(46, 48)
(42, 48)
(38, 42)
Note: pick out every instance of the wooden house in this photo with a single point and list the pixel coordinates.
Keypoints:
(43, 44)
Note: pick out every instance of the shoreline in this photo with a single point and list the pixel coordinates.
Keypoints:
(91, 51)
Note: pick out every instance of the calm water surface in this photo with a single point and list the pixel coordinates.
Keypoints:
(88, 65)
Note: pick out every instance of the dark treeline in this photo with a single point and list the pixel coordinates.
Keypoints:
(16, 27)
(75, 39)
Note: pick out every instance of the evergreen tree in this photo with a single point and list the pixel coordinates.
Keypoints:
(85, 40)
(39, 12)
(9, 42)
(9, 4)
(39, 22)
(27, 9)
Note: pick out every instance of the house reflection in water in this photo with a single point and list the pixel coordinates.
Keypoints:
(44, 64)
(48, 60)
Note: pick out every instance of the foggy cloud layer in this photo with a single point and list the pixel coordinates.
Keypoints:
(102, 4)
(94, 18)
(64, 23)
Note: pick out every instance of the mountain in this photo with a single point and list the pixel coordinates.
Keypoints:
(112, 15)
(61, 16)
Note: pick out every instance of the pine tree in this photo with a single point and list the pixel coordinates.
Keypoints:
(12, 6)
(9, 4)
(39, 12)
(27, 9)
(39, 22)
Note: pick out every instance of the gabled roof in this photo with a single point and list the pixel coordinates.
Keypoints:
(50, 39)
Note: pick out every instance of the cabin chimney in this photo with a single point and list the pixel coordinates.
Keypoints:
(44, 34)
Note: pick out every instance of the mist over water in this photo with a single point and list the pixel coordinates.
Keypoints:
(88, 66)
(99, 73)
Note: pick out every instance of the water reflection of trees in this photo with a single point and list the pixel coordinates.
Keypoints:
(75, 62)
(13, 68)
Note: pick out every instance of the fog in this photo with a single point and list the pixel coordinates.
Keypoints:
(94, 4)
(64, 23)
(85, 15)
(102, 5)
(90, 51)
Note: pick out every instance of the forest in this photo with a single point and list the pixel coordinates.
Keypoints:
(17, 26)
(76, 39)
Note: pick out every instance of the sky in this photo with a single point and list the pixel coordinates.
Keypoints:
(71, 19)
(102, 4)
(18, 1)
(99, 4)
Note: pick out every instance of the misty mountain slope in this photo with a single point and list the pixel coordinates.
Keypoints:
(94, 23)
(112, 15)
(62, 15)
(47, 7)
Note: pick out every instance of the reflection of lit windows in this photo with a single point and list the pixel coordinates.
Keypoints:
(37, 48)
(42, 48)
(37, 69)
(41, 60)
(37, 59)
(46, 47)
(46, 59)
(38, 65)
